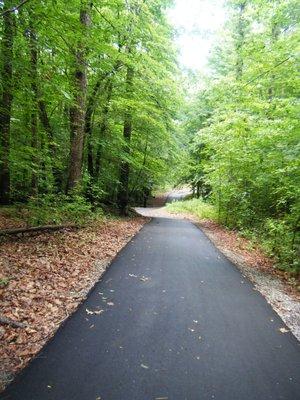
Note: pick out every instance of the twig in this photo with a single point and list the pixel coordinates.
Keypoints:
(15, 231)
(15, 8)
(266, 72)
(15, 324)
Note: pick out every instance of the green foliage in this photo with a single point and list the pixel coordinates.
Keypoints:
(54, 210)
(197, 207)
(245, 128)
(120, 34)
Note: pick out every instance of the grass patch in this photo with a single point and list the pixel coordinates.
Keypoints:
(197, 207)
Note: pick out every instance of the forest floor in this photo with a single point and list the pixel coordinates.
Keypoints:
(173, 319)
(45, 276)
(278, 287)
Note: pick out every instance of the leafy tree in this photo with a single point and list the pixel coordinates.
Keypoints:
(250, 130)
(88, 99)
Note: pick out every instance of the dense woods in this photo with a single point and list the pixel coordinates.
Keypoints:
(242, 126)
(102, 125)
(87, 100)
(92, 113)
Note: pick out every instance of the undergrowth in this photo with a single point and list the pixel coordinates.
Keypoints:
(197, 207)
(53, 209)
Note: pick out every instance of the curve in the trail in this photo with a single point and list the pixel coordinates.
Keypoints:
(180, 323)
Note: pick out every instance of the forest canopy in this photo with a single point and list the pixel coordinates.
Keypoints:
(95, 110)
(243, 126)
(88, 98)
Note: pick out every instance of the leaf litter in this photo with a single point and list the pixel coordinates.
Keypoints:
(47, 276)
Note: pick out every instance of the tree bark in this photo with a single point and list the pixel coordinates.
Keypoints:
(6, 101)
(93, 162)
(34, 115)
(77, 112)
(240, 40)
(103, 129)
(88, 126)
(43, 115)
(123, 197)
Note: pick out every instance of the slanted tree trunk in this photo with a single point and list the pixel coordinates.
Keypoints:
(77, 112)
(123, 197)
(6, 100)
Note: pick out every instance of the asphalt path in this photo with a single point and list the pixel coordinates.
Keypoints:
(180, 322)
(177, 195)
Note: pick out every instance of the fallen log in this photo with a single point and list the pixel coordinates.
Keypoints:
(15, 231)
(15, 324)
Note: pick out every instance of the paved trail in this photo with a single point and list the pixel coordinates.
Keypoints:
(180, 323)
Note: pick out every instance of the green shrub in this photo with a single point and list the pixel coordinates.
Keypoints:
(197, 207)
(54, 209)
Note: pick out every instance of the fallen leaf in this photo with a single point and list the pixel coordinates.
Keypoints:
(144, 279)
(98, 312)
(61, 268)
(283, 330)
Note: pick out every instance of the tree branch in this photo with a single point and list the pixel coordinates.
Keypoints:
(15, 324)
(15, 231)
(13, 9)
(266, 72)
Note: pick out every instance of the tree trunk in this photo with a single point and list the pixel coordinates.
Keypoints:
(93, 163)
(34, 115)
(77, 112)
(274, 38)
(123, 197)
(6, 101)
(198, 187)
(240, 40)
(103, 128)
(43, 115)
(88, 126)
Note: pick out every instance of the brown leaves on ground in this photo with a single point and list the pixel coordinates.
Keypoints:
(7, 222)
(43, 279)
(231, 240)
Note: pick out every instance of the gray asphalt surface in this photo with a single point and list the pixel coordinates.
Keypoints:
(180, 323)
